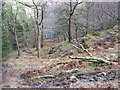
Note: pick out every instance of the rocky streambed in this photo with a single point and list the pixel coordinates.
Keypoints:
(67, 80)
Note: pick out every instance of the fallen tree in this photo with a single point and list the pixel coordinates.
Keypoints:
(91, 59)
(88, 59)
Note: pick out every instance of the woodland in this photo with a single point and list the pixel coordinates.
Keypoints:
(56, 44)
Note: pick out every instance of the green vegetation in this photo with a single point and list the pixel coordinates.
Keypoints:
(96, 33)
(109, 26)
(98, 64)
(63, 43)
(6, 43)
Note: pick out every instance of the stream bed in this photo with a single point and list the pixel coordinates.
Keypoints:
(65, 81)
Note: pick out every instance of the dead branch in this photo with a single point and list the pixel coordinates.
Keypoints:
(91, 59)
(82, 48)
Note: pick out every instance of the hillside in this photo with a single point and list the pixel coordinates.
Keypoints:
(56, 69)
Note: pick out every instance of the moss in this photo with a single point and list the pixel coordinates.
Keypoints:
(64, 43)
(95, 64)
(109, 26)
(59, 74)
(115, 27)
(96, 33)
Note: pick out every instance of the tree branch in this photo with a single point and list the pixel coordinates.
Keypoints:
(75, 7)
(107, 12)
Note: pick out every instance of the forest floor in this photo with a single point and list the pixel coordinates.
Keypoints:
(31, 72)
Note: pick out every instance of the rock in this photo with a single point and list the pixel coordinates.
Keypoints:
(46, 76)
(44, 84)
(71, 71)
(91, 79)
(80, 84)
(104, 73)
(72, 78)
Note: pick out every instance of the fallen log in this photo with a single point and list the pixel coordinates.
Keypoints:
(91, 59)
(45, 76)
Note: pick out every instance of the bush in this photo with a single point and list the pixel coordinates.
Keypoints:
(109, 26)
(6, 44)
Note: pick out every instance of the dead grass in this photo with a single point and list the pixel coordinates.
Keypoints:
(80, 84)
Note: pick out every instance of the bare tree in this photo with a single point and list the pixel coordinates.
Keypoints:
(71, 12)
(15, 32)
(38, 6)
(38, 28)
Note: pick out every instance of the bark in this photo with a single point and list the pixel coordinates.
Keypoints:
(86, 59)
(93, 20)
(69, 27)
(15, 32)
(76, 35)
(16, 38)
(38, 30)
(39, 45)
(87, 22)
(58, 37)
(69, 30)
(35, 35)
(42, 31)
(38, 33)
(42, 38)
(64, 37)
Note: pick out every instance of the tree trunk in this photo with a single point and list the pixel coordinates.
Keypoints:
(69, 30)
(69, 27)
(35, 39)
(91, 59)
(35, 35)
(87, 18)
(87, 23)
(15, 32)
(38, 33)
(39, 45)
(76, 35)
(16, 39)
(42, 33)
(58, 38)
(93, 20)
(64, 37)
(42, 38)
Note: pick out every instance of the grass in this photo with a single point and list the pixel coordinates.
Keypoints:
(96, 33)
(98, 64)
(63, 43)
(86, 69)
